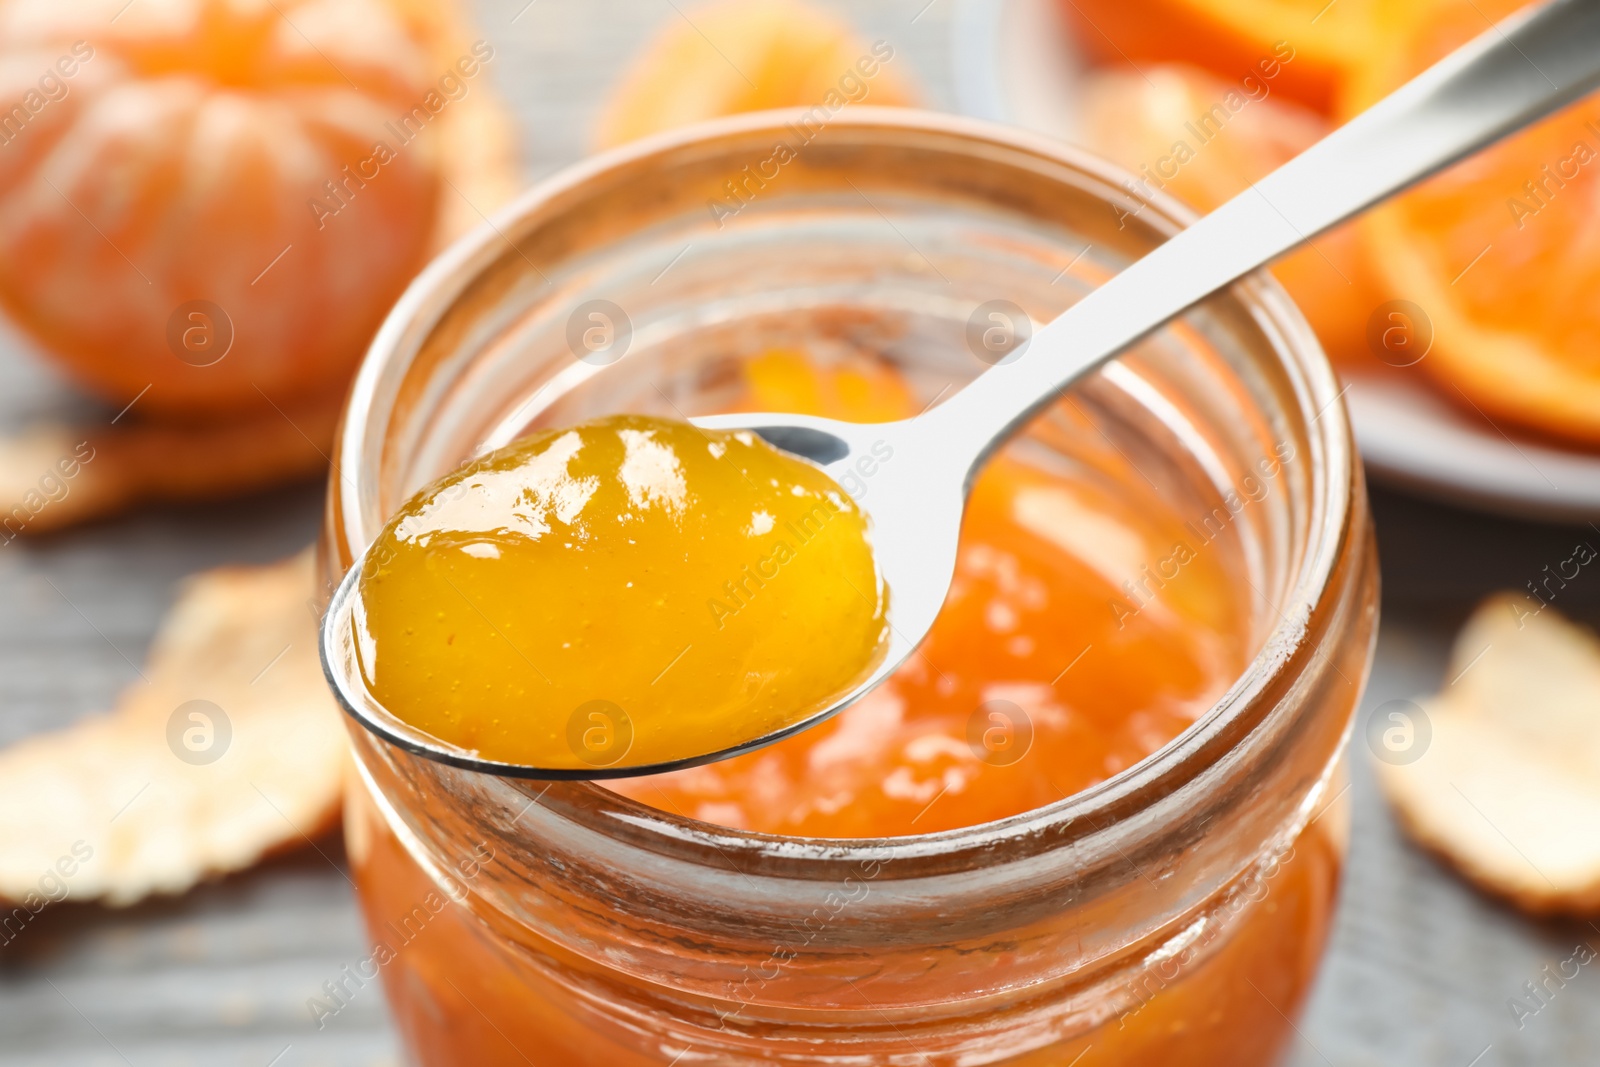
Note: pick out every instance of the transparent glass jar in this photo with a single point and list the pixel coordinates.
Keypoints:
(1173, 914)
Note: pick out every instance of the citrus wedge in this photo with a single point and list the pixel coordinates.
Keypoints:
(1183, 131)
(1312, 44)
(1502, 251)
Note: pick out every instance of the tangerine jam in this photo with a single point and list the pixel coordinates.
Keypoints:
(1100, 818)
(628, 589)
(1062, 657)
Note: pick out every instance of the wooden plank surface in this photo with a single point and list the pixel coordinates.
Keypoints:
(1421, 966)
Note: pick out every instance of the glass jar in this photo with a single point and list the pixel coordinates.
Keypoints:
(1173, 914)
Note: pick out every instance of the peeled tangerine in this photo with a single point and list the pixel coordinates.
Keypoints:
(627, 591)
(160, 167)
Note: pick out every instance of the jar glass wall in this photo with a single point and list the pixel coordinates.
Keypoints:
(1173, 913)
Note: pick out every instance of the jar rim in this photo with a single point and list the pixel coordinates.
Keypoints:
(356, 516)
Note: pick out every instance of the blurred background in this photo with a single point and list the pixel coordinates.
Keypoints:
(1463, 322)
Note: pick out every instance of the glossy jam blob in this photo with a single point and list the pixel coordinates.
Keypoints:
(624, 592)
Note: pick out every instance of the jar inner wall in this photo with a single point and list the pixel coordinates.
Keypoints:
(871, 250)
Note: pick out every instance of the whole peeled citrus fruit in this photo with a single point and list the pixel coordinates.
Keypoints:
(214, 199)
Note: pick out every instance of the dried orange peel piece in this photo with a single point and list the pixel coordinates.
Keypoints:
(230, 749)
(749, 55)
(1505, 786)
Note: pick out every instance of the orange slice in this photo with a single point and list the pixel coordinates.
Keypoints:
(1501, 251)
(1181, 130)
(1304, 47)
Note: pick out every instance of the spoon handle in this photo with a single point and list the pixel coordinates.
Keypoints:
(1513, 74)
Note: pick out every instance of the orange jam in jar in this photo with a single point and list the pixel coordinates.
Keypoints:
(1097, 819)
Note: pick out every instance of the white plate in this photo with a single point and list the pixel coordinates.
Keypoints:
(1015, 62)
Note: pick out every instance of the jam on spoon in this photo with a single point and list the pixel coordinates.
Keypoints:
(628, 589)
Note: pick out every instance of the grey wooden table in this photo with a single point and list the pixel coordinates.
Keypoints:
(1421, 966)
